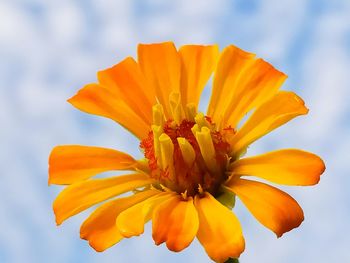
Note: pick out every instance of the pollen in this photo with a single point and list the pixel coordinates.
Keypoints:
(186, 152)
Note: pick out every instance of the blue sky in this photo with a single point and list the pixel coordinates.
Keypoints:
(49, 49)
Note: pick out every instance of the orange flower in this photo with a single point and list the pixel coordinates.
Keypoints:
(193, 166)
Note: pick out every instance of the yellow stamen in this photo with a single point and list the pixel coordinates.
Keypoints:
(184, 195)
(167, 152)
(200, 189)
(207, 149)
(175, 106)
(201, 121)
(165, 189)
(191, 111)
(187, 151)
(158, 115)
(157, 132)
(195, 129)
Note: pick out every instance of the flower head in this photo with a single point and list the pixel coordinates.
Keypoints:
(194, 166)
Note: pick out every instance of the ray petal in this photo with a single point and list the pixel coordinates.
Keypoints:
(272, 207)
(278, 110)
(219, 231)
(176, 223)
(82, 195)
(69, 164)
(100, 227)
(287, 167)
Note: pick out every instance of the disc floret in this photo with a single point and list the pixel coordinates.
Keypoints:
(186, 152)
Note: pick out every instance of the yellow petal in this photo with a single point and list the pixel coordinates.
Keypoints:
(278, 110)
(272, 207)
(219, 231)
(288, 167)
(80, 196)
(131, 221)
(73, 163)
(95, 99)
(175, 222)
(230, 65)
(127, 80)
(197, 65)
(160, 64)
(100, 227)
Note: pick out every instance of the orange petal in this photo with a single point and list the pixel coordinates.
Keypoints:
(256, 84)
(95, 99)
(231, 63)
(272, 207)
(129, 84)
(131, 221)
(73, 163)
(288, 167)
(241, 83)
(175, 222)
(80, 196)
(100, 227)
(197, 65)
(160, 64)
(278, 110)
(219, 231)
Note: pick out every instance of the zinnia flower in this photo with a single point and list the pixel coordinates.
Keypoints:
(194, 166)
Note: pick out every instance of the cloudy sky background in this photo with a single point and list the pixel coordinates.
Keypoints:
(49, 49)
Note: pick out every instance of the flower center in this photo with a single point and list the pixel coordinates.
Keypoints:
(187, 155)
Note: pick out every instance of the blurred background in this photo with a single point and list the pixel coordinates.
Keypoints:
(50, 49)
